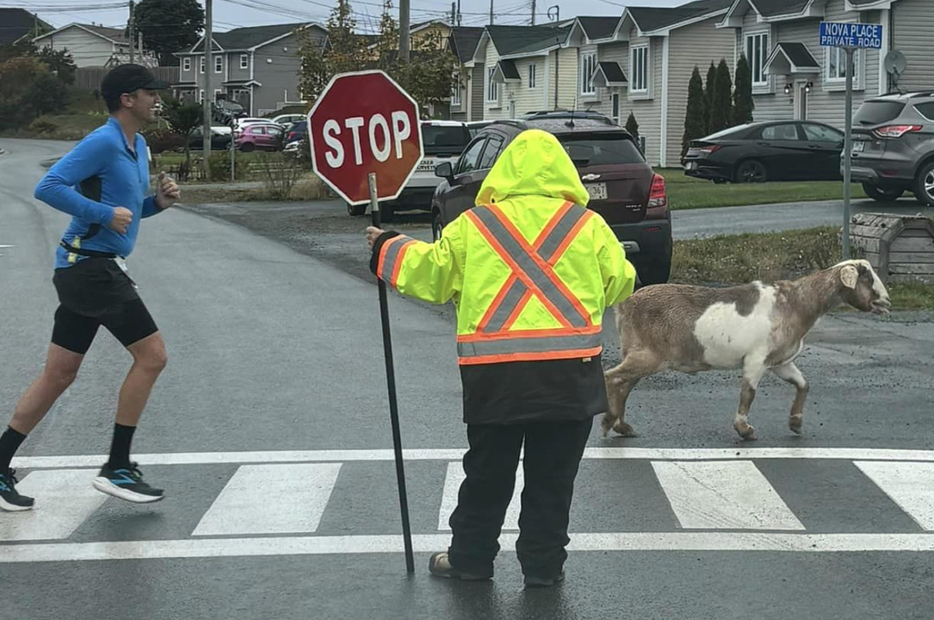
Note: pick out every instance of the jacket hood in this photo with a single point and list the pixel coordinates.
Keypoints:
(534, 164)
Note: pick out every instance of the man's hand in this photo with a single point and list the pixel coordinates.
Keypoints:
(167, 192)
(372, 234)
(121, 220)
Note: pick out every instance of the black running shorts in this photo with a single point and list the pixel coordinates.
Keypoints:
(95, 292)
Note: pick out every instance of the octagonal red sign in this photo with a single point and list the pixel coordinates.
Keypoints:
(365, 122)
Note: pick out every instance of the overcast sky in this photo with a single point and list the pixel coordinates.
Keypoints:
(230, 14)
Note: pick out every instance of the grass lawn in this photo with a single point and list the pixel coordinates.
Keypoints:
(738, 259)
(685, 192)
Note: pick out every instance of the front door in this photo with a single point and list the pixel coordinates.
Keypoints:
(801, 101)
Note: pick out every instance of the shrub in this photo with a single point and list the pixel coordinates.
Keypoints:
(162, 139)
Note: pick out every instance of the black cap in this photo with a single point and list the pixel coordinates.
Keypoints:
(128, 78)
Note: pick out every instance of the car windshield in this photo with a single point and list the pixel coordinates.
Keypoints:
(602, 149)
(445, 139)
(878, 112)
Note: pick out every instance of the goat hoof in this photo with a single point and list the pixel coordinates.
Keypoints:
(625, 430)
(795, 424)
(747, 432)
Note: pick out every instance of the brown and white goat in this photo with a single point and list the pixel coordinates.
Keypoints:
(755, 327)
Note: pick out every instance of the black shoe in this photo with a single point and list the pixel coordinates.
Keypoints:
(126, 483)
(439, 565)
(540, 582)
(10, 500)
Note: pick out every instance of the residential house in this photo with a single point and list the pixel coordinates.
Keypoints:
(467, 95)
(91, 45)
(19, 24)
(661, 47)
(258, 67)
(603, 65)
(795, 78)
(527, 68)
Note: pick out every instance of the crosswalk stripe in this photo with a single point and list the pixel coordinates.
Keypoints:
(723, 495)
(64, 499)
(422, 543)
(271, 499)
(910, 485)
(452, 484)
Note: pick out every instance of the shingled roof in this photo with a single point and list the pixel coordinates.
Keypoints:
(18, 23)
(598, 27)
(464, 41)
(519, 40)
(245, 38)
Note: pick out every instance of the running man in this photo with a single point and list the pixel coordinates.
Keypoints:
(111, 168)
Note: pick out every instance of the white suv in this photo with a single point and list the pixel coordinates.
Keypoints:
(443, 141)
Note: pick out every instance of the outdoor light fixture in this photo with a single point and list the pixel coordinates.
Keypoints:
(787, 89)
(807, 87)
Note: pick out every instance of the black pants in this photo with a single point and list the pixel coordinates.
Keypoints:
(553, 452)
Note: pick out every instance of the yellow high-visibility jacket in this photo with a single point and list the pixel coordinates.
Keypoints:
(530, 269)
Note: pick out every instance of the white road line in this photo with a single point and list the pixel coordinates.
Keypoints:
(910, 485)
(452, 484)
(300, 494)
(454, 454)
(345, 545)
(64, 499)
(723, 495)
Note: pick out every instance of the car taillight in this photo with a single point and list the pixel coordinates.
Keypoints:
(895, 131)
(713, 148)
(658, 196)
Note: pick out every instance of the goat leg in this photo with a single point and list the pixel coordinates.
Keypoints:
(616, 414)
(751, 376)
(790, 373)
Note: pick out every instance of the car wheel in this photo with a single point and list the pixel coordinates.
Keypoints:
(247, 147)
(437, 225)
(356, 210)
(882, 194)
(924, 184)
(751, 171)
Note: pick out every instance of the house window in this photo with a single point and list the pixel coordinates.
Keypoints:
(201, 96)
(588, 66)
(615, 113)
(456, 92)
(757, 53)
(836, 64)
(244, 61)
(186, 63)
(639, 70)
(532, 70)
(202, 64)
(218, 64)
(492, 88)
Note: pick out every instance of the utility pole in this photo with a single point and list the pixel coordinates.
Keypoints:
(557, 51)
(404, 30)
(208, 93)
(130, 32)
(453, 13)
(533, 12)
(457, 22)
(491, 12)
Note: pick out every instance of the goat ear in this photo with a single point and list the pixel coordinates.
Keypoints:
(849, 276)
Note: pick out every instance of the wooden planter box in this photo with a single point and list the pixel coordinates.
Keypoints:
(899, 247)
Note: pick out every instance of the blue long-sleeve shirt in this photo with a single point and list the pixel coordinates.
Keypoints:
(101, 160)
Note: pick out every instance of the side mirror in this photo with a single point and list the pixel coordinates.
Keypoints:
(445, 171)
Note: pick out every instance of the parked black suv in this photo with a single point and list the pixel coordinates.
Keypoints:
(893, 146)
(624, 189)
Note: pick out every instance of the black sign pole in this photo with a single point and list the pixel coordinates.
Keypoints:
(393, 407)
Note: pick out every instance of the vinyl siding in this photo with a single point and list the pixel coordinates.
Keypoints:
(692, 46)
(568, 96)
(278, 76)
(648, 111)
(86, 49)
(476, 92)
(912, 24)
(527, 99)
(234, 72)
(613, 52)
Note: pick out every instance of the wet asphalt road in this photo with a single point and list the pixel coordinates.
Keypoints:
(271, 323)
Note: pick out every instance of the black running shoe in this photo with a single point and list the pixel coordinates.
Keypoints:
(10, 500)
(126, 483)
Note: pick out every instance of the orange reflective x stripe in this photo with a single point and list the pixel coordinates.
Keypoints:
(532, 267)
(532, 276)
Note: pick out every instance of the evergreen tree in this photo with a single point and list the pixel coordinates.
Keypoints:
(633, 127)
(721, 106)
(695, 122)
(708, 94)
(168, 26)
(743, 103)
